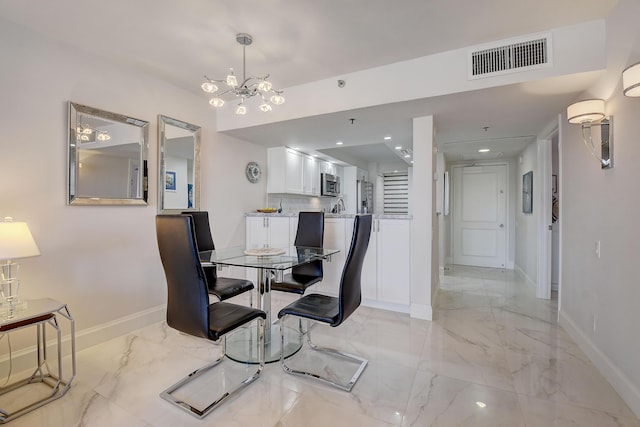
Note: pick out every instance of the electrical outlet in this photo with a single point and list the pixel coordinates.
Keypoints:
(598, 249)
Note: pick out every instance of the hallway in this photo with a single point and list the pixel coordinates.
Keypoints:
(493, 356)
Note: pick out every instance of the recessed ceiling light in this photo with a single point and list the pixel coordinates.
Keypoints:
(481, 404)
(395, 171)
(387, 138)
(398, 147)
(483, 150)
(411, 161)
(339, 143)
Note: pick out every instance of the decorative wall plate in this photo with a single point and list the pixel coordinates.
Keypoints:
(253, 172)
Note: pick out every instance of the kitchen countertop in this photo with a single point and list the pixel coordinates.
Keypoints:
(326, 215)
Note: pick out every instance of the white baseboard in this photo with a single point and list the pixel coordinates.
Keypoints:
(23, 359)
(524, 275)
(618, 380)
(400, 308)
(421, 311)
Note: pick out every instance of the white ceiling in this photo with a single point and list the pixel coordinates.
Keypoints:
(307, 40)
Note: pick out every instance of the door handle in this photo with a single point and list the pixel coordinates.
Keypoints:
(501, 225)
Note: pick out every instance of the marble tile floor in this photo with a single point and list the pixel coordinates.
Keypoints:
(493, 356)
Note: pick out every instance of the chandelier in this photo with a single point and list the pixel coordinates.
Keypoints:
(249, 87)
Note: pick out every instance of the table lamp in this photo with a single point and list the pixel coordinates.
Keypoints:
(16, 242)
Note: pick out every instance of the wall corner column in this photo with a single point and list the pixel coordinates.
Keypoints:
(422, 193)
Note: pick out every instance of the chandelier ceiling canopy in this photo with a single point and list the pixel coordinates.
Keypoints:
(247, 88)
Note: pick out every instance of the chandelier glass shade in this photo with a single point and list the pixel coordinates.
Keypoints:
(247, 88)
(85, 133)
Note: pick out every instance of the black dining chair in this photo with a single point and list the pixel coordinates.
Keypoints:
(310, 233)
(334, 310)
(188, 308)
(222, 288)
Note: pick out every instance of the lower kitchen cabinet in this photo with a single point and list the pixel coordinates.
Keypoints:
(263, 231)
(386, 272)
(334, 238)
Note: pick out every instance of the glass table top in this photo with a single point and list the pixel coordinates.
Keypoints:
(27, 309)
(293, 256)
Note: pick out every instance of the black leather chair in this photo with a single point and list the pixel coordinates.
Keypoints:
(222, 288)
(310, 233)
(188, 308)
(334, 310)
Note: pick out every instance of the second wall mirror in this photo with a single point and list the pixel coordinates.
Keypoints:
(179, 165)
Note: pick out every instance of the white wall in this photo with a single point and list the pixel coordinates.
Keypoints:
(526, 253)
(423, 284)
(578, 48)
(603, 205)
(102, 260)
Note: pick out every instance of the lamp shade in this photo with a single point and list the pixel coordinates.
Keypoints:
(16, 241)
(586, 111)
(631, 80)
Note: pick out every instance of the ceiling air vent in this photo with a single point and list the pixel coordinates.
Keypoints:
(502, 58)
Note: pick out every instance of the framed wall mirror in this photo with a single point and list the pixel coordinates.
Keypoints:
(107, 158)
(179, 165)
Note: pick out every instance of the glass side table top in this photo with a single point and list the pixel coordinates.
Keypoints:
(28, 309)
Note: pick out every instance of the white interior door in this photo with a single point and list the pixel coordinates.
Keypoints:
(479, 215)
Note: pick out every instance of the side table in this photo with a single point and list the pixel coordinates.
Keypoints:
(38, 313)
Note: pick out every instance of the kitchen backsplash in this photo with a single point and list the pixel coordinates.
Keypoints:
(294, 204)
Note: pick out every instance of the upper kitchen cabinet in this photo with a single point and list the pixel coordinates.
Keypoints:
(310, 176)
(327, 167)
(285, 172)
(292, 172)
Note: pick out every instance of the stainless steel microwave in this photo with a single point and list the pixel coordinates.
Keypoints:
(329, 185)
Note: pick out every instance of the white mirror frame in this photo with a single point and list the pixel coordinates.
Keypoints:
(163, 122)
(73, 159)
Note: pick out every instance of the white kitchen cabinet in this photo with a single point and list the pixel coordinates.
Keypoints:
(285, 171)
(263, 231)
(327, 167)
(334, 238)
(292, 172)
(386, 271)
(310, 176)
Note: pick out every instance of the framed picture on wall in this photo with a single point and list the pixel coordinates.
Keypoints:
(527, 192)
(170, 181)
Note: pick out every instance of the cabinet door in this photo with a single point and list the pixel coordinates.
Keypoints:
(256, 232)
(278, 230)
(334, 231)
(310, 171)
(369, 276)
(294, 173)
(394, 261)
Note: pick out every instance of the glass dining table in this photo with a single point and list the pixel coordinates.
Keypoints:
(271, 264)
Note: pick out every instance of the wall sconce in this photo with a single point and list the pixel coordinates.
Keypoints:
(631, 80)
(590, 113)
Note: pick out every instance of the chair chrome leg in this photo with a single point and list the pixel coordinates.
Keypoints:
(343, 386)
(201, 413)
